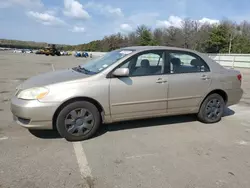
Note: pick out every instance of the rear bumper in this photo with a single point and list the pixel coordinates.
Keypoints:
(234, 96)
(33, 114)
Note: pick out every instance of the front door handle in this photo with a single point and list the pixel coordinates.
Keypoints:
(160, 81)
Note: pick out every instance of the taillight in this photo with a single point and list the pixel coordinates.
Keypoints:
(239, 77)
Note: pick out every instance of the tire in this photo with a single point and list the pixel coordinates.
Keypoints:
(212, 109)
(78, 123)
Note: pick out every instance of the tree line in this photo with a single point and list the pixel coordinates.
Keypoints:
(21, 44)
(224, 37)
(5, 43)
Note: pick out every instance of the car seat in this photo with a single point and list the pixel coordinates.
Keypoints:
(144, 69)
(197, 64)
(176, 62)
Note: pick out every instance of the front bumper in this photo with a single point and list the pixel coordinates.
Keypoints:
(33, 114)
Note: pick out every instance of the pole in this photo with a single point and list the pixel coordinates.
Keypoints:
(230, 44)
(233, 61)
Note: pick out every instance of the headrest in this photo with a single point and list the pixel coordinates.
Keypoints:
(176, 61)
(145, 63)
(196, 62)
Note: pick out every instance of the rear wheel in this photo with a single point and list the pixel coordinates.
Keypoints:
(78, 121)
(212, 109)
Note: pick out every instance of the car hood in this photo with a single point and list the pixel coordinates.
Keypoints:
(52, 78)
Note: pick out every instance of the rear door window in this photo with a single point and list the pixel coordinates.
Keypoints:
(185, 62)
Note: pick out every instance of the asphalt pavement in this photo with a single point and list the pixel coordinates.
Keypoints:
(169, 152)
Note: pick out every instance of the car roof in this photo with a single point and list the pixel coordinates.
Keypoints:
(141, 48)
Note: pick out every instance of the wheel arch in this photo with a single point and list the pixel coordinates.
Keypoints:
(222, 93)
(65, 103)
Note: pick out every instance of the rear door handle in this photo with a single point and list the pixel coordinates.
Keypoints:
(160, 81)
(205, 77)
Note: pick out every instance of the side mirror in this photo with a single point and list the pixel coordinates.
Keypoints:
(121, 72)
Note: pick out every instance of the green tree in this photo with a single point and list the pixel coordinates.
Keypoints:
(145, 36)
(218, 40)
(241, 44)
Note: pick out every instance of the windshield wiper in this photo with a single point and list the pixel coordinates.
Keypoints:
(84, 70)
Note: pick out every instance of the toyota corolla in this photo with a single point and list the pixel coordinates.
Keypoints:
(126, 84)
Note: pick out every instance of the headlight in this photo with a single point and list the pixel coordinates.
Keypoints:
(33, 93)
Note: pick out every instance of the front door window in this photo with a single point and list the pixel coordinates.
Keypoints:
(146, 64)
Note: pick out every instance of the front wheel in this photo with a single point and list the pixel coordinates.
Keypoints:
(212, 109)
(78, 121)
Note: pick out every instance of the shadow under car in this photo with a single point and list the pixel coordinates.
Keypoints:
(133, 124)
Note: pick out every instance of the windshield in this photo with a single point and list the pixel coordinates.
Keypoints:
(98, 65)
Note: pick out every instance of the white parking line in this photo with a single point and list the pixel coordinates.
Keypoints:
(85, 170)
(242, 142)
(141, 156)
(52, 66)
(4, 138)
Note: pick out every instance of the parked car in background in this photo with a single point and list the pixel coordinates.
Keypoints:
(27, 51)
(81, 54)
(126, 84)
(85, 54)
(77, 54)
(64, 53)
(18, 51)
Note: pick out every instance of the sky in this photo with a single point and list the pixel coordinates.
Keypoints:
(81, 21)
